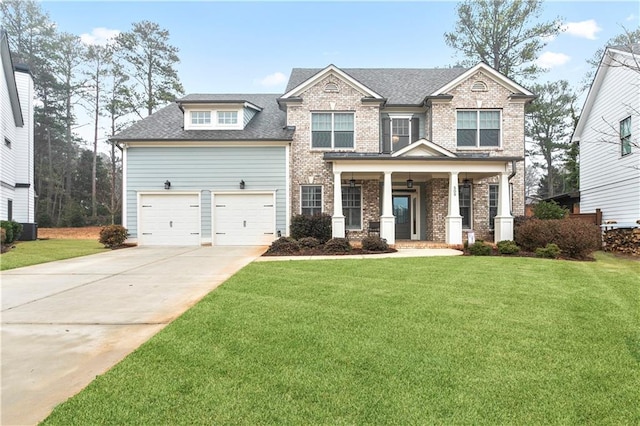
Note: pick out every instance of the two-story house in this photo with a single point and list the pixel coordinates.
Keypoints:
(17, 193)
(420, 154)
(607, 132)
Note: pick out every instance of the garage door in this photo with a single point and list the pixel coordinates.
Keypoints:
(243, 219)
(169, 219)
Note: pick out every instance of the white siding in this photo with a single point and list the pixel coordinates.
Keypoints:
(23, 207)
(7, 155)
(608, 180)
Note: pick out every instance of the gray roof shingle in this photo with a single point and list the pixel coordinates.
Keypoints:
(400, 86)
(167, 123)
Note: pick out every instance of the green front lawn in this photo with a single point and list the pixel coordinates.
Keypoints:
(40, 251)
(459, 340)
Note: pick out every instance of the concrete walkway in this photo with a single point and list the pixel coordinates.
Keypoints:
(428, 252)
(64, 323)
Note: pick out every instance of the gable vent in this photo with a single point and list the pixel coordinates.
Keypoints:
(331, 87)
(479, 86)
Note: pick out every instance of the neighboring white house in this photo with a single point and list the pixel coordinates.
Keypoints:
(609, 136)
(17, 194)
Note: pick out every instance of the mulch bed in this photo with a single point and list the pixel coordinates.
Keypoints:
(319, 252)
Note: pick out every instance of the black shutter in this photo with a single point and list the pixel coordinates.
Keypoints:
(386, 135)
(415, 129)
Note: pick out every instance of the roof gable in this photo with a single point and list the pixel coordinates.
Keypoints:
(606, 62)
(7, 64)
(330, 70)
(501, 79)
(423, 148)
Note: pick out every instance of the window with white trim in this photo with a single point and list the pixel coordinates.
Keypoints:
(310, 199)
(493, 204)
(332, 130)
(227, 117)
(478, 129)
(625, 136)
(465, 205)
(352, 207)
(200, 117)
(400, 132)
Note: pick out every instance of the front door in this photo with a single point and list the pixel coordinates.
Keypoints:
(402, 212)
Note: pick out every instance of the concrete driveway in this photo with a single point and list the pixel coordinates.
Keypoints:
(64, 323)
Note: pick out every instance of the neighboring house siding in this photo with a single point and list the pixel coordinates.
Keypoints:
(608, 180)
(205, 169)
(23, 210)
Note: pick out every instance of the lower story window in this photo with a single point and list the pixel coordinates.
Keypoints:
(465, 205)
(352, 207)
(493, 204)
(311, 199)
(9, 209)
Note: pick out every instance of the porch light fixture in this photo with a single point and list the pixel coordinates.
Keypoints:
(409, 182)
(241, 183)
(352, 182)
(167, 184)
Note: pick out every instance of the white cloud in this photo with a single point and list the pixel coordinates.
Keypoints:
(275, 79)
(631, 17)
(552, 59)
(583, 29)
(100, 36)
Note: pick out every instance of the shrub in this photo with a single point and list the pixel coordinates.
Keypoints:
(316, 226)
(550, 251)
(536, 233)
(3, 236)
(309, 242)
(575, 238)
(479, 248)
(507, 247)
(374, 243)
(337, 246)
(113, 236)
(12, 230)
(546, 210)
(284, 245)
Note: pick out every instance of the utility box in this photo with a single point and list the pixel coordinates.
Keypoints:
(29, 232)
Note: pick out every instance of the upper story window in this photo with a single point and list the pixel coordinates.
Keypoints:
(200, 117)
(310, 199)
(227, 117)
(625, 136)
(332, 130)
(399, 131)
(478, 129)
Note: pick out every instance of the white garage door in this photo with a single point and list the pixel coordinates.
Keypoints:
(243, 219)
(169, 219)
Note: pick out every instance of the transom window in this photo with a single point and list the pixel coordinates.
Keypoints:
(227, 117)
(200, 117)
(465, 206)
(352, 207)
(478, 128)
(493, 204)
(625, 136)
(332, 130)
(311, 199)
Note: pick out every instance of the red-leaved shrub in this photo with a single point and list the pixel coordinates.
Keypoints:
(575, 238)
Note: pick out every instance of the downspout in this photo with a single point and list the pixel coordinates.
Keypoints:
(511, 175)
(513, 168)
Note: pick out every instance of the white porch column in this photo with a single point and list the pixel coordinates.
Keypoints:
(503, 225)
(453, 221)
(337, 220)
(387, 220)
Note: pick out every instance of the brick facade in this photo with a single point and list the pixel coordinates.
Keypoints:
(307, 165)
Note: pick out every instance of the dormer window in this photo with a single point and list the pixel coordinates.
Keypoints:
(200, 117)
(227, 117)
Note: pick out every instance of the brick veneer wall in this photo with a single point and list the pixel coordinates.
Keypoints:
(307, 165)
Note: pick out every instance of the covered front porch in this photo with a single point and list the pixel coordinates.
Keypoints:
(424, 198)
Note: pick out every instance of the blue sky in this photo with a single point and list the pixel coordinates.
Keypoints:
(230, 47)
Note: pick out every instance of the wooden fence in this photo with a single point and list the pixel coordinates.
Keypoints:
(595, 218)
